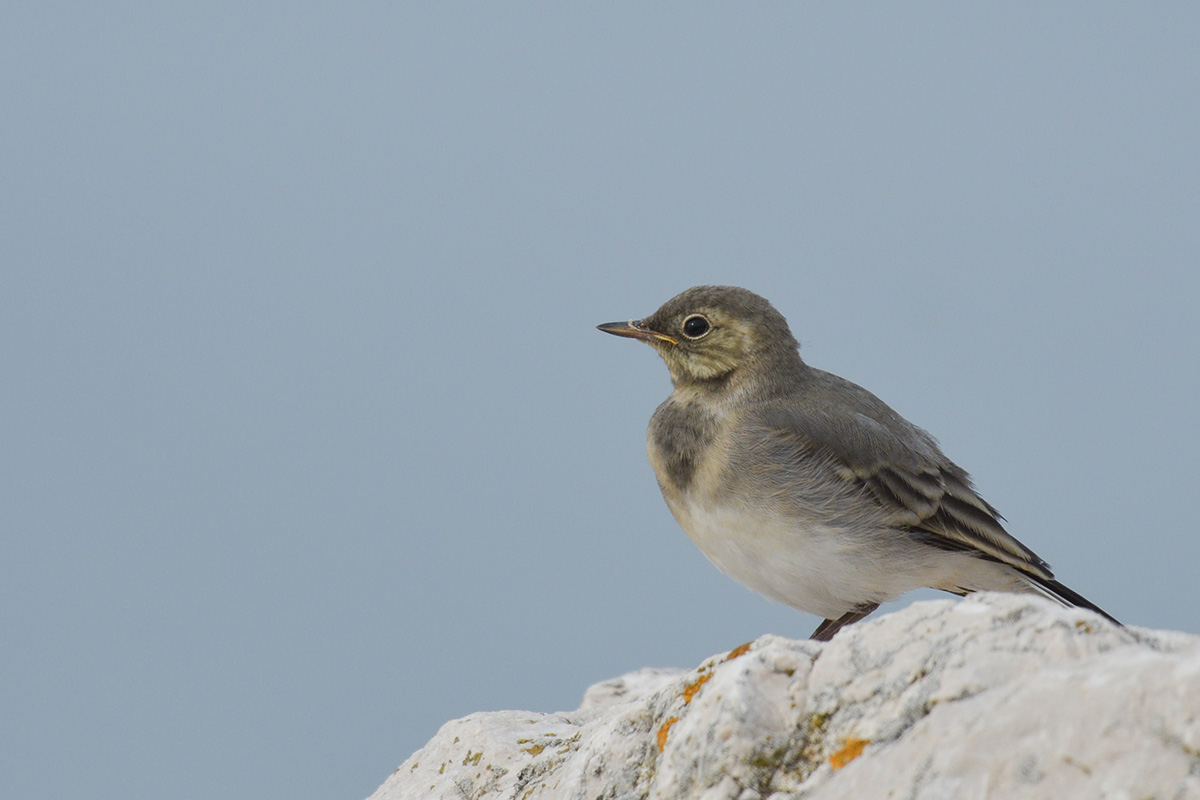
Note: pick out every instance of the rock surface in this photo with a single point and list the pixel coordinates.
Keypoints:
(993, 696)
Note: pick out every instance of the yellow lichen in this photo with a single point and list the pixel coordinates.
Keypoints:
(662, 732)
(739, 651)
(851, 750)
(690, 691)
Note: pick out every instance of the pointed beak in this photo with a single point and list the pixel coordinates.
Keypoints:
(634, 329)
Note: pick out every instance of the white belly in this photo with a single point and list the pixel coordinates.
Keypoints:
(811, 567)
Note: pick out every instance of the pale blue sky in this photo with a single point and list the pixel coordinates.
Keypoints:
(310, 444)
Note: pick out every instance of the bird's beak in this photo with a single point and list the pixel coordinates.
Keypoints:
(634, 329)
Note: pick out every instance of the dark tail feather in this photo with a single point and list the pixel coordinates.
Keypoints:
(829, 627)
(1068, 597)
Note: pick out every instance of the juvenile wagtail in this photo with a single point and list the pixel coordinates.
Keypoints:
(806, 487)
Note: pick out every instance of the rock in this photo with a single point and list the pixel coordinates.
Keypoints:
(992, 696)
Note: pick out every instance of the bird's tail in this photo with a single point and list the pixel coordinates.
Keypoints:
(1048, 587)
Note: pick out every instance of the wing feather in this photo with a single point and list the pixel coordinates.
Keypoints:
(902, 468)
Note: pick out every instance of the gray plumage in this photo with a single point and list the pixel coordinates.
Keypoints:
(804, 486)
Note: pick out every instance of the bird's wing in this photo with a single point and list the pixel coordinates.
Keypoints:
(901, 467)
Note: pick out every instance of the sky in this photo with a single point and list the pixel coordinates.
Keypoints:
(309, 443)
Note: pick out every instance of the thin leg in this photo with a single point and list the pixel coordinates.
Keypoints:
(829, 627)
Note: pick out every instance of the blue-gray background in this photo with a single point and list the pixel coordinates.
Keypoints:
(309, 443)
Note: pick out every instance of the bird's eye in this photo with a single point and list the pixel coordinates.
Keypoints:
(695, 326)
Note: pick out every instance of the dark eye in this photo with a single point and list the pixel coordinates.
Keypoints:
(695, 326)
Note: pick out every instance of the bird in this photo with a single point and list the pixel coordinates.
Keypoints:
(806, 487)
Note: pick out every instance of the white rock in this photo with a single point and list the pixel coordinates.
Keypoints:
(994, 696)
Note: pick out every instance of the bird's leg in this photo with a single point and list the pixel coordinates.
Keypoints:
(829, 627)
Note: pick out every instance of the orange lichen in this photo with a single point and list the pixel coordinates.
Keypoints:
(691, 689)
(851, 750)
(662, 732)
(739, 651)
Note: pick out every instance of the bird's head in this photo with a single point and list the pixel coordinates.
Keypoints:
(709, 333)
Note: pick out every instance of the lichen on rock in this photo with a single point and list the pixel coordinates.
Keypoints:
(991, 696)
